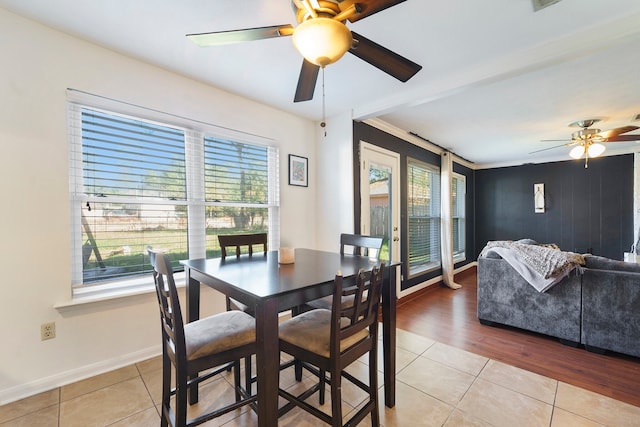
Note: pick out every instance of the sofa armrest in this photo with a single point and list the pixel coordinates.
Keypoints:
(611, 310)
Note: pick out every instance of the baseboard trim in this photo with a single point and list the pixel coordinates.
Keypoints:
(41, 385)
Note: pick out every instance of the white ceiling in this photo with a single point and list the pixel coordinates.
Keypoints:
(497, 77)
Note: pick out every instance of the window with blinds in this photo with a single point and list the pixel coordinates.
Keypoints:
(136, 183)
(423, 212)
(236, 177)
(458, 190)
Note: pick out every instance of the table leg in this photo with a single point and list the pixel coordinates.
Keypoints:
(192, 312)
(267, 362)
(389, 301)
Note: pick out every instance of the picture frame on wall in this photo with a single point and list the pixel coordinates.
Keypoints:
(298, 171)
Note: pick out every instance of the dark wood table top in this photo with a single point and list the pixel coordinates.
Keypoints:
(261, 276)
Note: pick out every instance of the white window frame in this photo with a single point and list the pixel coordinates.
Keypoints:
(195, 132)
(436, 260)
(460, 215)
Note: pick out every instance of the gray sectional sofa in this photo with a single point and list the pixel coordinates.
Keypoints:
(597, 305)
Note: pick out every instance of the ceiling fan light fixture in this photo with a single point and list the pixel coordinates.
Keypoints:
(577, 151)
(595, 149)
(322, 41)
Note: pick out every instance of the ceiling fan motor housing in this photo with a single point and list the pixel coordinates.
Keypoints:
(586, 134)
(322, 41)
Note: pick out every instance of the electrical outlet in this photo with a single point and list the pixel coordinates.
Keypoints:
(47, 331)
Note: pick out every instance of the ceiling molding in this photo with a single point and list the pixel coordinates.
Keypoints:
(406, 136)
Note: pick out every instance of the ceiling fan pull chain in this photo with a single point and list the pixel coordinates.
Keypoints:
(323, 124)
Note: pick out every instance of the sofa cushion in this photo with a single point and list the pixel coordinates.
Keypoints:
(602, 263)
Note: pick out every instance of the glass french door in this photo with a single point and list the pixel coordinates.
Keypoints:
(380, 197)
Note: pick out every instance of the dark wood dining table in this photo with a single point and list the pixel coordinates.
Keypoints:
(259, 281)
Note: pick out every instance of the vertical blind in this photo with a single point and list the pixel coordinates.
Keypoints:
(423, 211)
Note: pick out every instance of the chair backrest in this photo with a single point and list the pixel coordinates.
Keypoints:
(239, 240)
(361, 244)
(362, 312)
(170, 314)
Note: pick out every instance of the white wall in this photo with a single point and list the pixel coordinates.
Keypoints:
(38, 64)
(334, 176)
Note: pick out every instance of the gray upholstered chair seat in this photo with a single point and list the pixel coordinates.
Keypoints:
(218, 333)
(312, 331)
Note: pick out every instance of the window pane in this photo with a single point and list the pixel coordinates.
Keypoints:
(130, 158)
(235, 172)
(116, 236)
(423, 187)
(380, 180)
(458, 203)
(130, 170)
(233, 220)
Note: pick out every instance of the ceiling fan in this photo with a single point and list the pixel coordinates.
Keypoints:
(587, 141)
(322, 37)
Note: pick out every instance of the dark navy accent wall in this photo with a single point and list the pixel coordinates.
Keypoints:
(587, 210)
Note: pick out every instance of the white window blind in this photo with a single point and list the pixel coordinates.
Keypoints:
(237, 197)
(423, 211)
(458, 190)
(130, 193)
(136, 183)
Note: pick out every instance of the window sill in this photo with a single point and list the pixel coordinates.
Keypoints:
(114, 291)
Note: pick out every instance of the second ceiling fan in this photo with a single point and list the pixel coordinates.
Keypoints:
(588, 141)
(322, 37)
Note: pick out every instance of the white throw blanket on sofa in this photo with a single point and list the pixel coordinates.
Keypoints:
(542, 266)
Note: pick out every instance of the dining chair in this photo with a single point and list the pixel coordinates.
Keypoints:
(361, 245)
(327, 341)
(238, 241)
(218, 341)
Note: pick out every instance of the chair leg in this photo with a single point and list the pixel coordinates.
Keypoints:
(247, 374)
(323, 382)
(181, 400)
(373, 387)
(236, 379)
(166, 390)
(297, 367)
(336, 399)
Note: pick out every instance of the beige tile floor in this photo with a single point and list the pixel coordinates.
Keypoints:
(437, 385)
